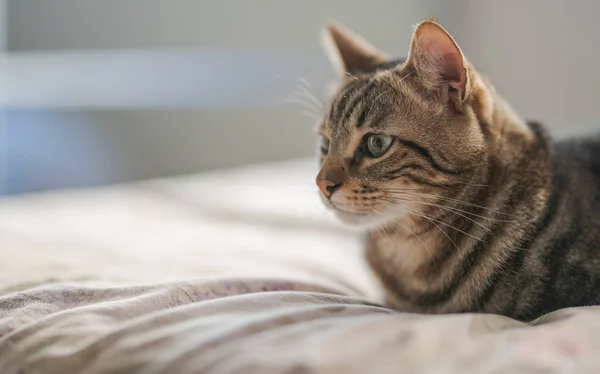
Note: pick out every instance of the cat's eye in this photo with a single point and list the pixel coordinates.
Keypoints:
(378, 144)
(324, 145)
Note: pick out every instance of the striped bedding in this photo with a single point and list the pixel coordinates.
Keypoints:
(238, 271)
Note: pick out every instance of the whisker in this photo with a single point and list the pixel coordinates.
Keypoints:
(400, 189)
(406, 76)
(305, 87)
(301, 95)
(380, 225)
(374, 101)
(441, 222)
(453, 209)
(311, 96)
(352, 76)
(305, 82)
(311, 115)
(406, 227)
(446, 199)
(427, 218)
(303, 103)
(446, 208)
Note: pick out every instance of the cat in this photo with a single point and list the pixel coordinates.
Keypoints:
(468, 208)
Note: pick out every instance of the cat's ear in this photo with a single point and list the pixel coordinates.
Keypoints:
(349, 52)
(437, 58)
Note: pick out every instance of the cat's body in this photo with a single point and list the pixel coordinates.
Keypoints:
(469, 209)
(552, 262)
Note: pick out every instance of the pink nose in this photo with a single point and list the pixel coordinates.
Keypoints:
(330, 179)
(327, 186)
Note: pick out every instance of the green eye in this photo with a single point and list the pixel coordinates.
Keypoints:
(378, 144)
(324, 145)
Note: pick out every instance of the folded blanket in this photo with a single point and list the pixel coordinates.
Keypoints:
(273, 326)
(233, 272)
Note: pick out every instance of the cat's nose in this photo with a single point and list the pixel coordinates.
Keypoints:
(328, 187)
(330, 180)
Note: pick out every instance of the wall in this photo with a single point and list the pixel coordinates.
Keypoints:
(3, 43)
(160, 141)
(542, 57)
(540, 54)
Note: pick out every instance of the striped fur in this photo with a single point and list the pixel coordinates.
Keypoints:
(471, 209)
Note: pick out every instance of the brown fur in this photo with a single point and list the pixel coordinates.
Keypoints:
(455, 206)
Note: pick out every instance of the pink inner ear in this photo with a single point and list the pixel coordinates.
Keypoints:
(355, 52)
(445, 55)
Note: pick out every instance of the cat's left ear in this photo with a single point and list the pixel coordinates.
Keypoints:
(348, 52)
(437, 59)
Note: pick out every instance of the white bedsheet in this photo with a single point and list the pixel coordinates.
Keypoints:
(261, 220)
(233, 272)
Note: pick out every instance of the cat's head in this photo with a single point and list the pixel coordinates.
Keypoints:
(399, 135)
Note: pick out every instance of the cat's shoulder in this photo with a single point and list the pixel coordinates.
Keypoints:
(580, 151)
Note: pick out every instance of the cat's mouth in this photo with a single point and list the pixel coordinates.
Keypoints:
(348, 212)
(353, 218)
(360, 218)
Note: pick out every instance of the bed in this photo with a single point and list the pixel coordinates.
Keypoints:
(238, 271)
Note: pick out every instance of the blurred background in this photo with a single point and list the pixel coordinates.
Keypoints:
(95, 92)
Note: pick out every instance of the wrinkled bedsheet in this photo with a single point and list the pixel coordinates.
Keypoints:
(233, 272)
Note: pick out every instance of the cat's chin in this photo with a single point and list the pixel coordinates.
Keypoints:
(362, 221)
(359, 221)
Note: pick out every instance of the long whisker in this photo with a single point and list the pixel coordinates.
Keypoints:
(438, 221)
(406, 76)
(305, 104)
(392, 190)
(311, 115)
(451, 208)
(406, 227)
(445, 208)
(305, 87)
(305, 82)
(427, 218)
(311, 96)
(374, 101)
(380, 225)
(458, 201)
(299, 95)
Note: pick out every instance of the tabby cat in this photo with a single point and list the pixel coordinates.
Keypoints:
(468, 207)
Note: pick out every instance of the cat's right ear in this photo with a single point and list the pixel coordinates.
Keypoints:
(438, 60)
(348, 52)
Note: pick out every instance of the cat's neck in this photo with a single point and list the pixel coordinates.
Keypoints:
(507, 134)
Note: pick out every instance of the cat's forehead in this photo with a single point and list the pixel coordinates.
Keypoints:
(364, 102)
